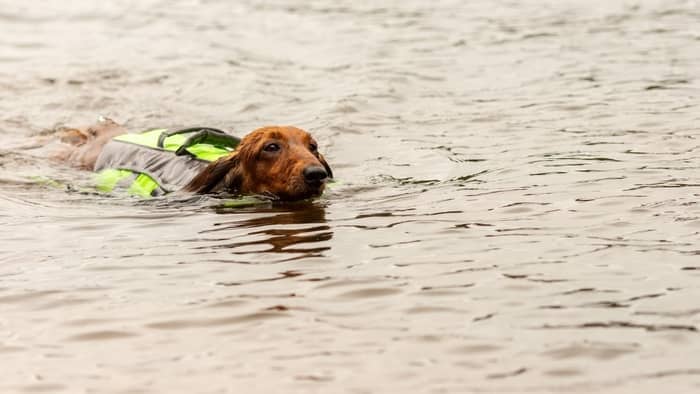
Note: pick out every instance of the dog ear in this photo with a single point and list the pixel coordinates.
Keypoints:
(225, 174)
(325, 165)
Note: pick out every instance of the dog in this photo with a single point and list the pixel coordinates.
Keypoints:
(279, 162)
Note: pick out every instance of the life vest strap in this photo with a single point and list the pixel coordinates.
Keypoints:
(201, 135)
(170, 159)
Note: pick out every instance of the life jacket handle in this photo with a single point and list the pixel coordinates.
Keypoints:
(201, 135)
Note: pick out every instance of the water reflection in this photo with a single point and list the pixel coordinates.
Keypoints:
(293, 230)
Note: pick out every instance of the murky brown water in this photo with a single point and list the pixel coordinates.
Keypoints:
(517, 212)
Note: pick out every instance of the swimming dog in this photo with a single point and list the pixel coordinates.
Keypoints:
(281, 162)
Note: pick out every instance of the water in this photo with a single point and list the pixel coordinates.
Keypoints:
(517, 205)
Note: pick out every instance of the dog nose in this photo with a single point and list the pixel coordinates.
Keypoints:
(315, 174)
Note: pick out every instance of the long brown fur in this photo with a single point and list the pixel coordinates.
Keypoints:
(248, 170)
(81, 146)
(251, 170)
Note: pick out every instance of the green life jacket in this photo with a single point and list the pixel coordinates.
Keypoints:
(158, 161)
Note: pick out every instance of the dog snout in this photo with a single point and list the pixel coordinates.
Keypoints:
(315, 174)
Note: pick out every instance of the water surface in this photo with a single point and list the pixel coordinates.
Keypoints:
(517, 205)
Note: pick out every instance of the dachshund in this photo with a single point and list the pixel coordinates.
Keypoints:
(280, 162)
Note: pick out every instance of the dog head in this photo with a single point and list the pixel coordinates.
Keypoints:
(282, 162)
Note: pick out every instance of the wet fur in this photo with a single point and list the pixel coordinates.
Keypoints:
(247, 170)
(81, 146)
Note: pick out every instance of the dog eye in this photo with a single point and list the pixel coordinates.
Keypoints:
(271, 147)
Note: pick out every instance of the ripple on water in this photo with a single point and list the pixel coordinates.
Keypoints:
(515, 211)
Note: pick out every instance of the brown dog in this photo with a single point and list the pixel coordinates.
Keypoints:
(281, 162)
